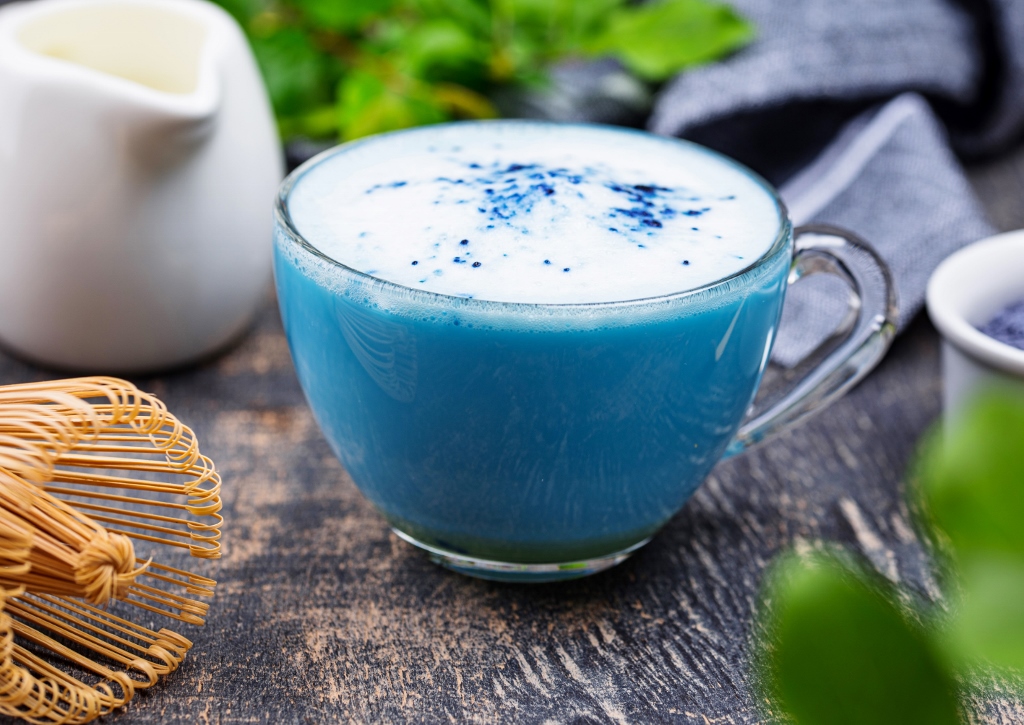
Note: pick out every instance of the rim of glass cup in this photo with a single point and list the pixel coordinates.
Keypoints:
(284, 220)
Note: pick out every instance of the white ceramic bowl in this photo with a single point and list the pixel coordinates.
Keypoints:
(966, 290)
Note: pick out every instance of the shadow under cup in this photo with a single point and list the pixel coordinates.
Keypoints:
(525, 441)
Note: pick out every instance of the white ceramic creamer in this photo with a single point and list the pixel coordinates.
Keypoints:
(138, 164)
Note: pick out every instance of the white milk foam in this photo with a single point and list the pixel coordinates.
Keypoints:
(538, 213)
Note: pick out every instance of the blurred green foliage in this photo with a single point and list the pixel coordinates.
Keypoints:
(839, 648)
(844, 654)
(972, 492)
(349, 68)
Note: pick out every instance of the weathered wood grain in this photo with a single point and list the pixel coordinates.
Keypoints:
(323, 615)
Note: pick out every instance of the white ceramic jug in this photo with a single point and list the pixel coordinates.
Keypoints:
(138, 164)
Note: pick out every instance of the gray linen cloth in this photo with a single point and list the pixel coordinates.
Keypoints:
(854, 109)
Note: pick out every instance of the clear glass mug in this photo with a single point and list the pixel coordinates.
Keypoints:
(535, 442)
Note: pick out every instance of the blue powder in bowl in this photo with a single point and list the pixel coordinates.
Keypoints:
(1007, 326)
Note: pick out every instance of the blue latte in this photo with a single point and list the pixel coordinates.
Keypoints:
(528, 344)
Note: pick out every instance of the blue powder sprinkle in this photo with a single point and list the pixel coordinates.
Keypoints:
(686, 262)
(392, 185)
(510, 190)
(476, 264)
(1007, 325)
(415, 262)
(566, 269)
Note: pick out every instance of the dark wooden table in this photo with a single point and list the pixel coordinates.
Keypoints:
(323, 615)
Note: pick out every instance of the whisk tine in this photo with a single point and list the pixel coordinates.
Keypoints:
(94, 472)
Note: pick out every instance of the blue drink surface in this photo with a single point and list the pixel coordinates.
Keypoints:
(561, 214)
(530, 432)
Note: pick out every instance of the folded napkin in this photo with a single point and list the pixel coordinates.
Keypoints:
(855, 110)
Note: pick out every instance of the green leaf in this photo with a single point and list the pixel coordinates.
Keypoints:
(660, 38)
(972, 479)
(971, 485)
(297, 75)
(342, 15)
(540, 14)
(318, 123)
(989, 625)
(558, 26)
(587, 17)
(367, 105)
(357, 92)
(842, 654)
(242, 10)
(473, 15)
(441, 48)
(461, 102)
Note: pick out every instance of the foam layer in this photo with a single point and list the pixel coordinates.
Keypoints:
(530, 212)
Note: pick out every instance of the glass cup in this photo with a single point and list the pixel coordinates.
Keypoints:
(535, 442)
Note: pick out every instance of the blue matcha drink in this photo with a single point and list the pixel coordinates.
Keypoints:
(529, 343)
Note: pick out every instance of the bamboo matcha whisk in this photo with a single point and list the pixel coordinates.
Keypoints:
(90, 469)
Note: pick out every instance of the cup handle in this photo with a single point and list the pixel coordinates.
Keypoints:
(866, 332)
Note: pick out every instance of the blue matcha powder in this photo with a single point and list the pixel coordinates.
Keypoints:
(565, 214)
(1007, 326)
